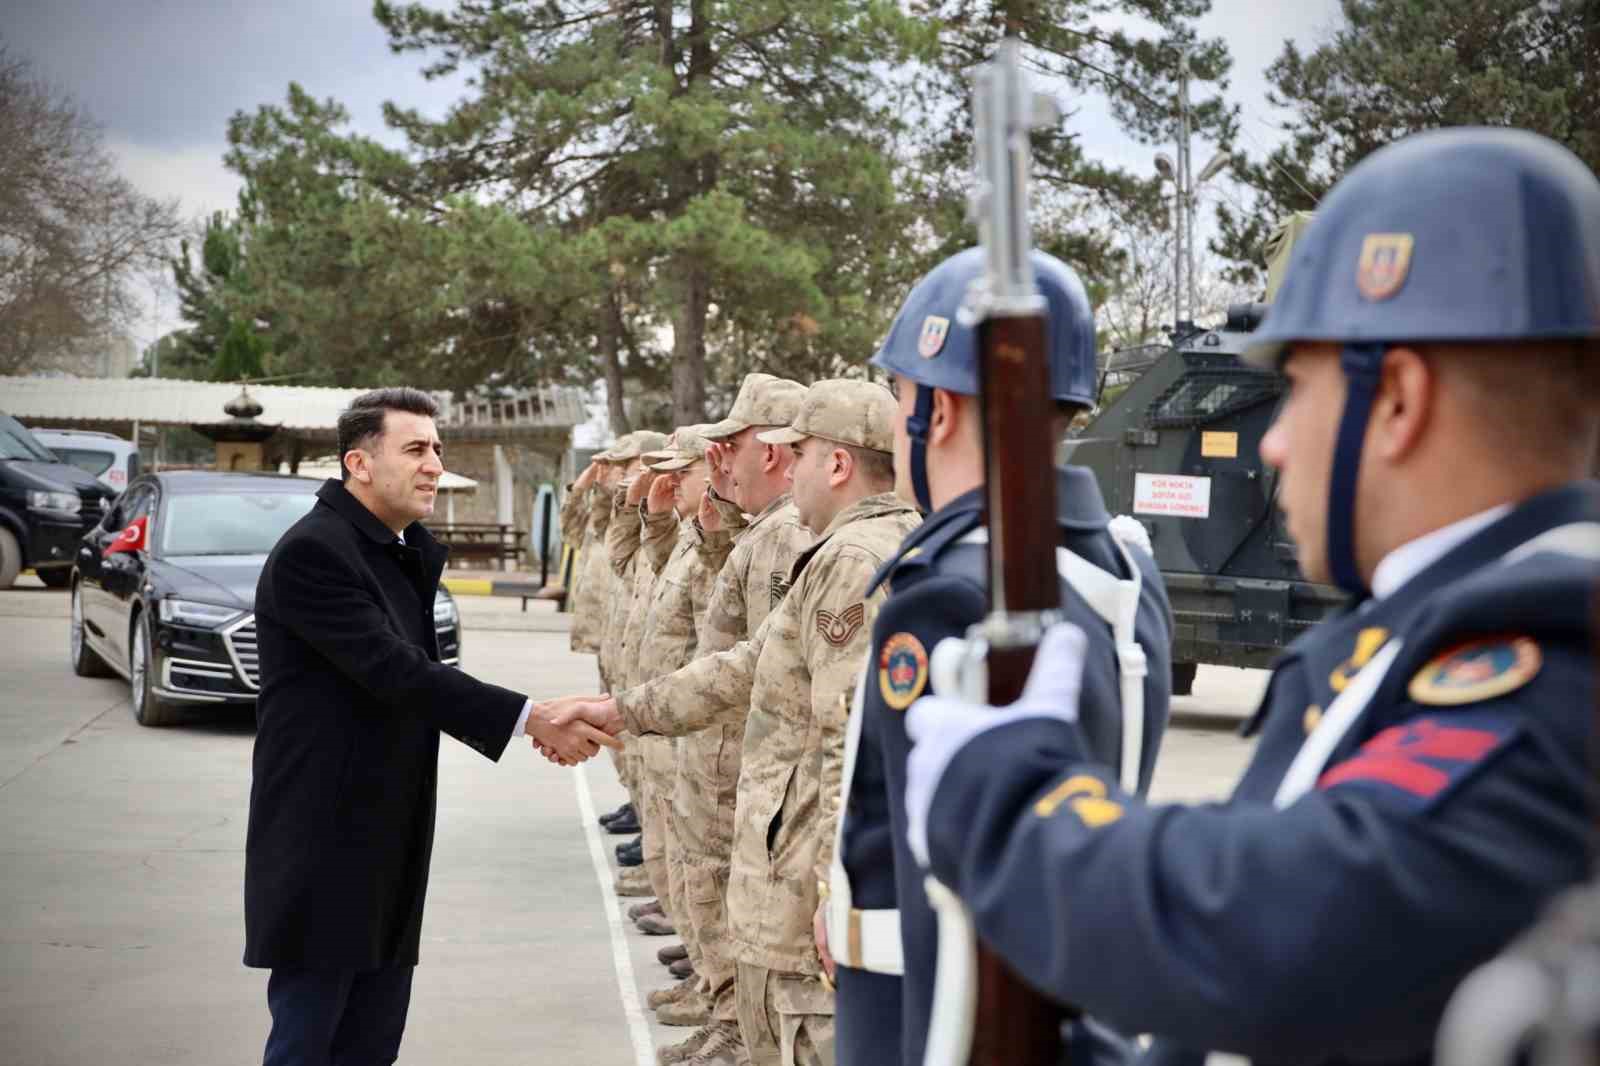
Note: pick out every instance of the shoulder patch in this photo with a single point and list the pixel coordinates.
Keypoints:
(902, 670)
(837, 629)
(1477, 670)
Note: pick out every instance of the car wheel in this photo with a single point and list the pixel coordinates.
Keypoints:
(10, 558)
(1183, 678)
(86, 662)
(56, 577)
(148, 708)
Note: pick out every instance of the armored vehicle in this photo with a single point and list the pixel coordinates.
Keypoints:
(1178, 448)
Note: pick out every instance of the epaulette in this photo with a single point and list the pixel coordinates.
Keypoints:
(923, 551)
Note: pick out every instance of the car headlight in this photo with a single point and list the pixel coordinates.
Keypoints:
(194, 613)
(63, 502)
(444, 610)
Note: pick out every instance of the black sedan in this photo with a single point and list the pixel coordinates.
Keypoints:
(164, 587)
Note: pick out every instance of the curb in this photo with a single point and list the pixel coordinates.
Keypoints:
(488, 586)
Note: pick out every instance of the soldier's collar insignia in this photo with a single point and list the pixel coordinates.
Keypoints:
(1385, 262)
(931, 340)
(902, 670)
(1368, 641)
(1477, 670)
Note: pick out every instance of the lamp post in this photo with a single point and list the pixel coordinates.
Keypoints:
(1184, 186)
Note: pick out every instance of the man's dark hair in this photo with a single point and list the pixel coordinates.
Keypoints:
(361, 424)
(876, 467)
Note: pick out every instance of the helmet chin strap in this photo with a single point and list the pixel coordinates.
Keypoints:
(1363, 366)
(917, 429)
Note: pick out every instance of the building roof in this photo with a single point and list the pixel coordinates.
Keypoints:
(299, 409)
(166, 401)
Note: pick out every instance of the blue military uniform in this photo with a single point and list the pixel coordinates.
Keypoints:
(937, 586)
(1332, 929)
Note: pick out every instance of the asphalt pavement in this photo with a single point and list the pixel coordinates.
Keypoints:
(122, 859)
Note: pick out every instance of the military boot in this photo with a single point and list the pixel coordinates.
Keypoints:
(722, 1048)
(682, 968)
(639, 910)
(633, 882)
(671, 954)
(656, 925)
(626, 821)
(684, 1048)
(662, 996)
(692, 1009)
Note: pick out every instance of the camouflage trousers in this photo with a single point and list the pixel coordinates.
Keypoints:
(656, 767)
(785, 1019)
(703, 807)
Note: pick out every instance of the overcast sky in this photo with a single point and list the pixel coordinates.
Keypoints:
(164, 76)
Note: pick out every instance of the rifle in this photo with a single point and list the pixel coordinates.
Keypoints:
(1004, 1022)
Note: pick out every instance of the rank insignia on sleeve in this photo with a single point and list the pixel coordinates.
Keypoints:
(902, 670)
(1476, 671)
(837, 629)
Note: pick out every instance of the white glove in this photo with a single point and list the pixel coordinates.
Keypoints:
(1130, 531)
(940, 726)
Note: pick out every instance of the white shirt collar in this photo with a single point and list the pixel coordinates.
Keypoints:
(402, 536)
(1412, 558)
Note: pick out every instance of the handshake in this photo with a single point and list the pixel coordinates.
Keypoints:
(571, 729)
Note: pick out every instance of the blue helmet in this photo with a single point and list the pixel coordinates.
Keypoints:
(1453, 235)
(1459, 235)
(929, 344)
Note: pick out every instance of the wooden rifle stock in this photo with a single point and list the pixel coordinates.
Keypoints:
(1015, 1025)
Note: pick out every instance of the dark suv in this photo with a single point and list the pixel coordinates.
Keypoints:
(46, 507)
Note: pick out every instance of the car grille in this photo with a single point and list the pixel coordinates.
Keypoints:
(240, 639)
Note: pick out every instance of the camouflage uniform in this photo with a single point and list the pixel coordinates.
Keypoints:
(751, 585)
(795, 676)
(591, 590)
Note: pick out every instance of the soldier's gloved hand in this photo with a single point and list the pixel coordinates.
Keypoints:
(1130, 531)
(940, 726)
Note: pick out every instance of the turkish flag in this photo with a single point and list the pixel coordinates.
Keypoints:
(132, 539)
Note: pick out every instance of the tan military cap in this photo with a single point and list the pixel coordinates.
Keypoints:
(689, 445)
(763, 400)
(631, 446)
(843, 410)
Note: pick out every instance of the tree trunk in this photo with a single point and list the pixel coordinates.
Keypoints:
(610, 344)
(689, 346)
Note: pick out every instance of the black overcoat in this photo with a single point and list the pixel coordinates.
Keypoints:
(352, 702)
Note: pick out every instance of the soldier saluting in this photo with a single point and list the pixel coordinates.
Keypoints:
(1420, 787)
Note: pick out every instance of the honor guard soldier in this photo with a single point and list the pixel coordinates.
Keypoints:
(1421, 784)
(875, 920)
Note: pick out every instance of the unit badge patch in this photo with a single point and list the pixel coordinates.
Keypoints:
(1476, 671)
(902, 670)
(1385, 262)
(934, 330)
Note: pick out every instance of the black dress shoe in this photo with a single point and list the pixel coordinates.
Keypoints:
(626, 810)
(625, 823)
(636, 844)
(630, 858)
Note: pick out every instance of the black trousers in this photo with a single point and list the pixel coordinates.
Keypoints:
(337, 1018)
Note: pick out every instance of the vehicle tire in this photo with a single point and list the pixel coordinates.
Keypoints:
(10, 558)
(148, 708)
(55, 577)
(86, 662)
(1183, 678)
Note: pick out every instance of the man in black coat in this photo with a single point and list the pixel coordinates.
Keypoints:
(353, 699)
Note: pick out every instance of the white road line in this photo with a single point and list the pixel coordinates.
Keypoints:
(644, 1050)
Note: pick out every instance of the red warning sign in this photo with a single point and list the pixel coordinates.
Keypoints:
(1173, 495)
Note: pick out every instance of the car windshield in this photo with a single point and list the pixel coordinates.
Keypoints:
(89, 462)
(231, 523)
(17, 443)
